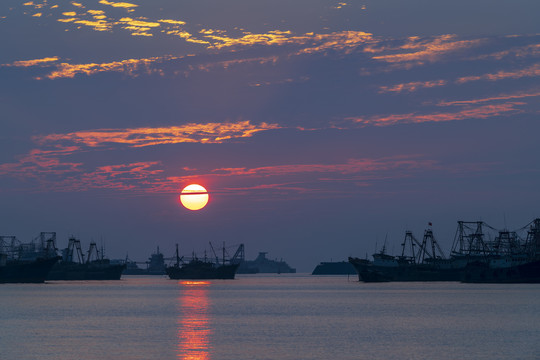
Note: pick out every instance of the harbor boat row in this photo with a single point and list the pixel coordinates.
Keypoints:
(38, 261)
(475, 257)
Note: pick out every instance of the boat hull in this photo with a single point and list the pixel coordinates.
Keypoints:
(26, 272)
(368, 272)
(203, 271)
(334, 268)
(75, 271)
(479, 272)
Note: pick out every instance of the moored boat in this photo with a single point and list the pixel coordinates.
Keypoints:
(475, 258)
(205, 269)
(508, 260)
(73, 265)
(26, 263)
(425, 261)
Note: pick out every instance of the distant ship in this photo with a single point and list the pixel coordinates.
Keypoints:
(73, 265)
(334, 268)
(505, 259)
(25, 263)
(154, 266)
(264, 265)
(205, 269)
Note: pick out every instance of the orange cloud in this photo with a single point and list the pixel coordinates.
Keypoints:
(480, 112)
(518, 52)
(174, 22)
(98, 25)
(316, 43)
(186, 36)
(521, 95)
(35, 62)
(342, 41)
(38, 162)
(118, 4)
(428, 50)
(412, 86)
(210, 133)
(129, 66)
(530, 71)
(133, 177)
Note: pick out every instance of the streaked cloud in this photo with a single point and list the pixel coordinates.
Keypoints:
(130, 67)
(210, 133)
(518, 52)
(34, 62)
(470, 112)
(352, 166)
(174, 22)
(131, 176)
(306, 177)
(412, 86)
(339, 41)
(531, 71)
(519, 95)
(118, 4)
(186, 36)
(39, 161)
(418, 50)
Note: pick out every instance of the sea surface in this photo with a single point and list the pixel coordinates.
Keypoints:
(268, 317)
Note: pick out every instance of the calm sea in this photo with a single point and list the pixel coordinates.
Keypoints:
(268, 317)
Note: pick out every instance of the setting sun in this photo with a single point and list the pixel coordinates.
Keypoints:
(194, 197)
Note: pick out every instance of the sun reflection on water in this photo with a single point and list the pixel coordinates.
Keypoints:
(193, 323)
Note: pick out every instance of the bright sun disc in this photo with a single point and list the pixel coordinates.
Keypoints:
(194, 197)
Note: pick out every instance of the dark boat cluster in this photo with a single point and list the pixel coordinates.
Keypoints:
(27, 262)
(38, 260)
(475, 257)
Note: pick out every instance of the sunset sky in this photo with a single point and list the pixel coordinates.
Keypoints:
(319, 127)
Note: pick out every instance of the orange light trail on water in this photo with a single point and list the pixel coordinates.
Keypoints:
(193, 327)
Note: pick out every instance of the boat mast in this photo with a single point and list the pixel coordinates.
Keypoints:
(177, 256)
(212, 247)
